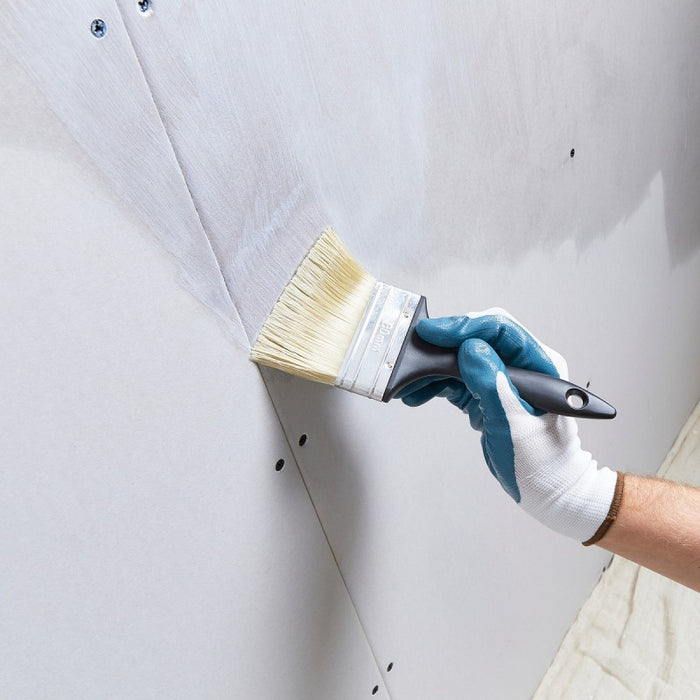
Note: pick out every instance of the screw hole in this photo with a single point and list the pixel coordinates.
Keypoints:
(98, 27)
(375, 690)
(390, 666)
(572, 152)
(303, 439)
(280, 465)
(144, 5)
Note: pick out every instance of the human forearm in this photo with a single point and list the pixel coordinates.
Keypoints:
(658, 526)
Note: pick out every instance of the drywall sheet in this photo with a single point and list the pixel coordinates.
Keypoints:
(150, 544)
(471, 596)
(543, 159)
(637, 635)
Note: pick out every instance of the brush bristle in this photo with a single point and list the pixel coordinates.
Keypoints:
(312, 324)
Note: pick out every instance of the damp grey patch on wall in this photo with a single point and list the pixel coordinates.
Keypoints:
(423, 136)
(450, 135)
(509, 92)
(224, 110)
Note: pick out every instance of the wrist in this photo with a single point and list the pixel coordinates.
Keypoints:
(612, 512)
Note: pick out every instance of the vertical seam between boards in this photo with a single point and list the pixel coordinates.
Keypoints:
(325, 534)
(182, 172)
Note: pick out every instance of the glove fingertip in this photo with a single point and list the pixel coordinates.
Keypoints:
(477, 354)
(480, 366)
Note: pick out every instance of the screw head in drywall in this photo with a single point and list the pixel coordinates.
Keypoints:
(98, 28)
(144, 5)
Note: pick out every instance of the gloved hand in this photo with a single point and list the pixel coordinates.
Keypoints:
(536, 457)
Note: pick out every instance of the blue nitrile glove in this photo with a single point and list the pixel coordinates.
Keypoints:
(536, 457)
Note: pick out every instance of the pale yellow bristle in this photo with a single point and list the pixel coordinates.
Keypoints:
(312, 324)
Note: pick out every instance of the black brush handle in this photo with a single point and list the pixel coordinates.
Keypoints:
(419, 359)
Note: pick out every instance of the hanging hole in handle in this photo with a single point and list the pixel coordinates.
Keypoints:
(577, 399)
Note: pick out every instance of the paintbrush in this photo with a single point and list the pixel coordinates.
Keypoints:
(335, 324)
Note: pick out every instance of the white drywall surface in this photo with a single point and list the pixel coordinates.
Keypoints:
(437, 141)
(149, 548)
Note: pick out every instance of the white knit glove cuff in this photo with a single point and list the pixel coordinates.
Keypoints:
(579, 511)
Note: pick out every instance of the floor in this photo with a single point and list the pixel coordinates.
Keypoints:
(637, 635)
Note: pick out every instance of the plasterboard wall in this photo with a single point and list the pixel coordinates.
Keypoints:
(438, 143)
(150, 546)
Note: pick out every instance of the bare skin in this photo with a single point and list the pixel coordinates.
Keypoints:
(658, 526)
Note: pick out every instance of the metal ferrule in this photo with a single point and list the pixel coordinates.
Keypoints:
(380, 334)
